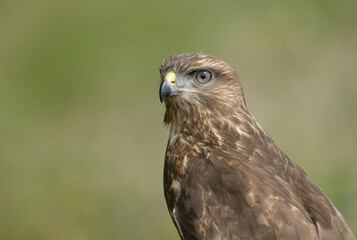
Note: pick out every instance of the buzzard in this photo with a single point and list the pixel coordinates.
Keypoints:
(224, 177)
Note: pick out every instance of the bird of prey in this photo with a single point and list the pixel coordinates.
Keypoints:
(224, 177)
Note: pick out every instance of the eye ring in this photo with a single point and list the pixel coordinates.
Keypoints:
(203, 76)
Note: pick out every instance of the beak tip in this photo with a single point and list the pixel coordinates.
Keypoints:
(160, 94)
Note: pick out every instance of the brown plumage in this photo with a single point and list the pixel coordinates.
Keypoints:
(224, 177)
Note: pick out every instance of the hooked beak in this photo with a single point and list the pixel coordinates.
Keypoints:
(168, 86)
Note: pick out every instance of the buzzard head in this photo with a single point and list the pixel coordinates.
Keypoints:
(196, 86)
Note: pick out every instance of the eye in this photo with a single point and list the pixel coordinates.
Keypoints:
(203, 76)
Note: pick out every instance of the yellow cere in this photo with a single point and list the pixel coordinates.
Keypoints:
(171, 77)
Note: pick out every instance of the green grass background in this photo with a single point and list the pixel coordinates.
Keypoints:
(81, 135)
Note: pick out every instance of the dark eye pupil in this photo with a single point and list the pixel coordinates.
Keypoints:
(203, 76)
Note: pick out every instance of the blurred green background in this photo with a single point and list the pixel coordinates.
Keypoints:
(81, 135)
